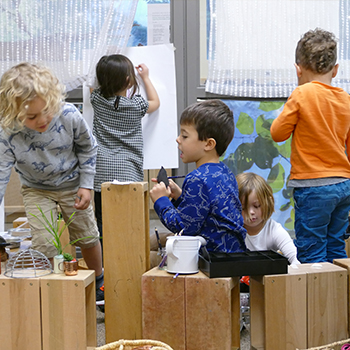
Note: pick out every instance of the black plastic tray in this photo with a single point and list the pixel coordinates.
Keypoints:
(262, 262)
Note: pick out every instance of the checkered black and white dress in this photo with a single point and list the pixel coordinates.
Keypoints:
(118, 131)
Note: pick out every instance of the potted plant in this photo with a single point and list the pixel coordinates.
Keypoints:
(70, 265)
(56, 226)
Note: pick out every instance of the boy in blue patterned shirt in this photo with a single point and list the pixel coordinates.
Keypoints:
(208, 204)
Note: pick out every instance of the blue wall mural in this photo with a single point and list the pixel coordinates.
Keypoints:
(252, 149)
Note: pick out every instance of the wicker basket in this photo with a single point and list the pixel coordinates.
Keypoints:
(135, 345)
(339, 345)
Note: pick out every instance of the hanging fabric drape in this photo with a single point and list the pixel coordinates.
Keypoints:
(68, 36)
(252, 44)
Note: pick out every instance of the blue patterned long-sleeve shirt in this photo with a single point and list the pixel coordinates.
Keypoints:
(61, 158)
(209, 206)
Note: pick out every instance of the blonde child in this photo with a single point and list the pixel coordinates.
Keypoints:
(263, 233)
(52, 149)
(317, 116)
(117, 126)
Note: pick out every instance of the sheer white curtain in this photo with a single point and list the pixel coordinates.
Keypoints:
(69, 36)
(252, 44)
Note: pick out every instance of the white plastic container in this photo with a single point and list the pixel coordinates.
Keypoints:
(182, 254)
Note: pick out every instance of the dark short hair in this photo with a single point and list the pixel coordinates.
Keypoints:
(114, 74)
(317, 51)
(212, 119)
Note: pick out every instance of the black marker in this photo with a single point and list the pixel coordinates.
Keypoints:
(158, 240)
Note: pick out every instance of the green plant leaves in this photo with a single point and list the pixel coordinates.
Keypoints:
(276, 178)
(53, 226)
(285, 148)
(264, 152)
(245, 124)
(268, 106)
(263, 127)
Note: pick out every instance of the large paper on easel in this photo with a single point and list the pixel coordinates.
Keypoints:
(160, 127)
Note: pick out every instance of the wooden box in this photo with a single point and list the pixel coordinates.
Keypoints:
(126, 256)
(305, 308)
(191, 311)
(68, 309)
(20, 319)
(345, 263)
(53, 312)
(278, 317)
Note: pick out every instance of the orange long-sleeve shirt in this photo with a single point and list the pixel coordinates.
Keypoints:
(318, 117)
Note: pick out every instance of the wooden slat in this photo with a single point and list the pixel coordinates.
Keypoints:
(126, 251)
(20, 318)
(68, 311)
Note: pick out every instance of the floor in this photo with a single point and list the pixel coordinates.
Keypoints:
(101, 335)
(245, 335)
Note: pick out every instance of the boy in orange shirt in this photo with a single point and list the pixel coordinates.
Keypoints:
(317, 115)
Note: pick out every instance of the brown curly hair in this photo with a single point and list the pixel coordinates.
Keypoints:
(317, 51)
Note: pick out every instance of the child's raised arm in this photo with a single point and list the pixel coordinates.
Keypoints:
(151, 92)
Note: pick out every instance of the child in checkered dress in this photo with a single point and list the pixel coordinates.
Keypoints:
(118, 111)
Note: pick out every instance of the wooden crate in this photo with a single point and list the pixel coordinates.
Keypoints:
(305, 308)
(126, 251)
(191, 311)
(345, 263)
(50, 313)
(20, 318)
(278, 317)
(347, 247)
(68, 309)
(326, 304)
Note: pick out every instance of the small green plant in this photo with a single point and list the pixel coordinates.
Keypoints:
(54, 226)
(68, 257)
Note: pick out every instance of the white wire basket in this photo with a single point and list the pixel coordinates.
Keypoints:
(28, 263)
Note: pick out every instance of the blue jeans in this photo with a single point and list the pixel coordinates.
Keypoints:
(321, 219)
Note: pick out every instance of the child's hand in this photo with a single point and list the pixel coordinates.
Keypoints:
(159, 190)
(143, 71)
(175, 190)
(83, 198)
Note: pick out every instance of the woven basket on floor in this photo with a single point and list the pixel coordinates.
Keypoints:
(334, 346)
(135, 344)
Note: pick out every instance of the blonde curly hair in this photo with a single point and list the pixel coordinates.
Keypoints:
(20, 85)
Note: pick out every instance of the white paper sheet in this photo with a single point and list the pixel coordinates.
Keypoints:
(158, 19)
(160, 128)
